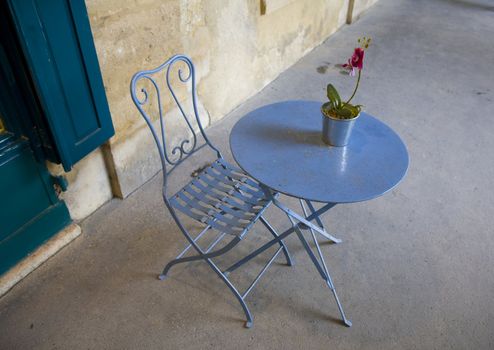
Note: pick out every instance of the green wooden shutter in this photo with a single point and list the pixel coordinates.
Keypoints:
(58, 44)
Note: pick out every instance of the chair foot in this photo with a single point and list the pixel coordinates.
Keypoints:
(347, 323)
(248, 324)
(162, 277)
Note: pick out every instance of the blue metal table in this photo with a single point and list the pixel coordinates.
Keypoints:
(280, 145)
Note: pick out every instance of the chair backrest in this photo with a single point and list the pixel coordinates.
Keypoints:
(154, 90)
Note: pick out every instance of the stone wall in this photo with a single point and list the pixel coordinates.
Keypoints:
(238, 47)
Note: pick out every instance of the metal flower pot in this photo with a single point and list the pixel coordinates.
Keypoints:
(336, 132)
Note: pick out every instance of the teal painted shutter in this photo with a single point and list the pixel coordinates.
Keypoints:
(57, 41)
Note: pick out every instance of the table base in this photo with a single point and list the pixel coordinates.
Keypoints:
(298, 223)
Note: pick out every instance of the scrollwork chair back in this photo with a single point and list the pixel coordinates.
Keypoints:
(158, 83)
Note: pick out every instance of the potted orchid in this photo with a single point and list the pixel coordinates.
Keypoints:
(339, 116)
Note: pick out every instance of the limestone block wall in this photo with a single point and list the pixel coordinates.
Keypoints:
(238, 46)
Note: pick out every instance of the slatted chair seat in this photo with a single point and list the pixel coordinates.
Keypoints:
(224, 197)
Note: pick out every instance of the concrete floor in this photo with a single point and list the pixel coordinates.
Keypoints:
(415, 270)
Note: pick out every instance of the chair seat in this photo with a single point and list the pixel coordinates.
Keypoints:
(224, 197)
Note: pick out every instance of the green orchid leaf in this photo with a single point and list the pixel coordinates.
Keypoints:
(354, 110)
(359, 107)
(343, 113)
(334, 96)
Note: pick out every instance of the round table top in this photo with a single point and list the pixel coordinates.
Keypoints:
(280, 145)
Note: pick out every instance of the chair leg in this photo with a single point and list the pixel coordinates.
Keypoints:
(207, 257)
(249, 322)
(201, 256)
(270, 228)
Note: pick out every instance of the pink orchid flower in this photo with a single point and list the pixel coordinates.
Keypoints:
(356, 61)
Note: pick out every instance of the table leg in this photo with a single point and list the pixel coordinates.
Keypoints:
(306, 220)
(287, 232)
(318, 220)
(321, 267)
(283, 235)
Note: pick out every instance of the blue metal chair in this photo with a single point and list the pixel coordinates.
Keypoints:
(221, 197)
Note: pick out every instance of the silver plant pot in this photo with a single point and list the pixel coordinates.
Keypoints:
(336, 132)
